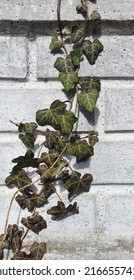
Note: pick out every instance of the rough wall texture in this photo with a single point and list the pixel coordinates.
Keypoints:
(104, 229)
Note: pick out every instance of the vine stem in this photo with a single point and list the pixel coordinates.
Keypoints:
(60, 27)
(25, 187)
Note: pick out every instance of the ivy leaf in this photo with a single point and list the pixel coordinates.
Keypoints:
(68, 79)
(1, 253)
(81, 150)
(61, 211)
(77, 34)
(50, 157)
(64, 65)
(51, 138)
(31, 201)
(28, 139)
(56, 171)
(48, 190)
(66, 121)
(48, 116)
(27, 127)
(61, 143)
(19, 179)
(14, 235)
(92, 50)
(95, 15)
(38, 250)
(66, 31)
(76, 185)
(88, 99)
(25, 161)
(75, 56)
(87, 84)
(55, 43)
(35, 223)
(81, 8)
(93, 138)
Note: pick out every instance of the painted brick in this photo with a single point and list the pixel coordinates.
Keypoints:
(13, 62)
(41, 10)
(119, 113)
(25, 98)
(8, 151)
(120, 214)
(112, 163)
(117, 55)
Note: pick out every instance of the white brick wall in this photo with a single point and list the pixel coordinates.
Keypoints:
(104, 228)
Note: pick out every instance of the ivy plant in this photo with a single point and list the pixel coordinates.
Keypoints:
(57, 125)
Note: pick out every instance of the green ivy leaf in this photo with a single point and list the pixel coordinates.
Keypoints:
(50, 157)
(87, 84)
(93, 138)
(66, 31)
(27, 139)
(81, 150)
(48, 116)
(61, 211)
(75, 56)
(66, 121)
(88, 99)
(92, 50)
(68, 79)
(77, 34)
(27, 127)
(19, 179)
(95, 15)
(55, 43)
(76, 185)
(61, 142)
(25, 161)
(64, 65)
(34, 223)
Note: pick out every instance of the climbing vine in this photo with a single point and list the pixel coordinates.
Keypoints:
(57, 125)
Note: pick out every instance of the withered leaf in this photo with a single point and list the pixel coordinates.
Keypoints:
(31, 201)
(76, 185)
(35, 223)
(51, 138)
(93, 138)
(48, 190)
(60, 211)
(14, 235)
(38, 250)
(1, 253)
